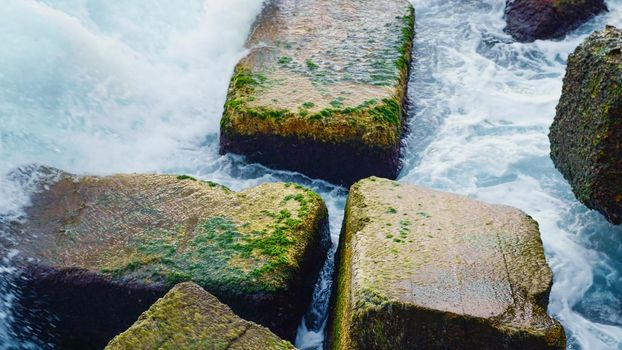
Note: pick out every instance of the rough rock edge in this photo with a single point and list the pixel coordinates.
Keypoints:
(595, 181)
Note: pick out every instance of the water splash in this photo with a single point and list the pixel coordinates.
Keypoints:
(489, 102)
(105, 86)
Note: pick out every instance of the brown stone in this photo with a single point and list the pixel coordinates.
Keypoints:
(529, 20)
(421, 269)
(322, 90)
(97, 251)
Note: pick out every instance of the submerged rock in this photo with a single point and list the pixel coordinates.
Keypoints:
(586, 135)
(421, 269)
(188, 317)
(529, 20)
(322, 91)
(98, 251)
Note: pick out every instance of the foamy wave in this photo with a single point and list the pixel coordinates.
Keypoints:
(497, 98)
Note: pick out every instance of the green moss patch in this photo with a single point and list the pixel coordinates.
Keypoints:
(220, 252)
(163, 228)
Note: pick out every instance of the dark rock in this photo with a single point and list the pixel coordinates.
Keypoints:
(586, 135)
(529, 20)
(421, 269)
(97, 251)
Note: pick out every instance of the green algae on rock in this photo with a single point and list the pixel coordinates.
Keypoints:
(421, 269)
(322, 90)
(586, 135)
(110, 246)
(188, 317)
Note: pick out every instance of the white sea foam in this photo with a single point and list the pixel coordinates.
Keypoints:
(98, 87)
(108, 86)
(497, 98)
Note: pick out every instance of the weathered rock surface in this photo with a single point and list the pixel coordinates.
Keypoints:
(420, 269)
(529, 20)
(586, 135)
(189, 318)
(323, 88)
(98, 251)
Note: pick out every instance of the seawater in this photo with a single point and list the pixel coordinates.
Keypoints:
(101, 87)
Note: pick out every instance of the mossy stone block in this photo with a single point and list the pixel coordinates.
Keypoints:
(97, 251)
(421, 269)
(322, 90)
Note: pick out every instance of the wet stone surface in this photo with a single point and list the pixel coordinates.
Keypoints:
(424, 269)
(327, 53)
(321, 74)
(97, 251)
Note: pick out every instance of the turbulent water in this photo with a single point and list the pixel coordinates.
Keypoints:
(100, 87)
